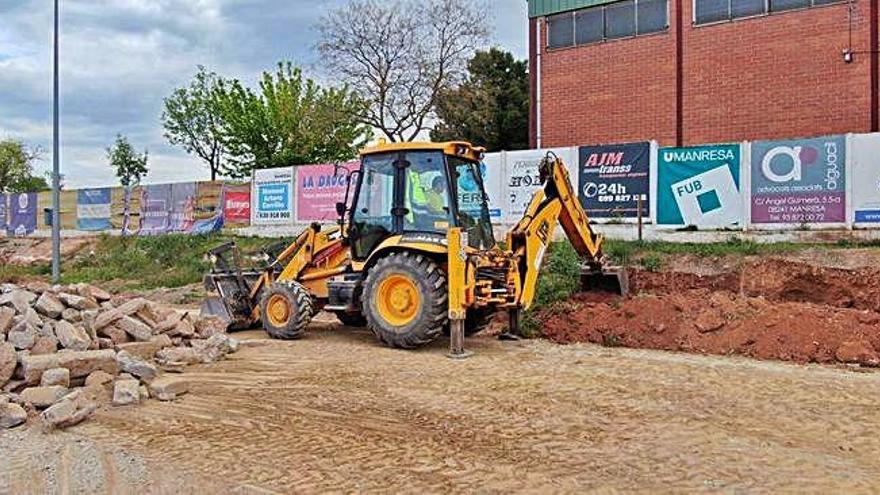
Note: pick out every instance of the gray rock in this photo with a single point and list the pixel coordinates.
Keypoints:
(69, 411)
(45, 345)
(167, 388)
(8, 361)
(71, 315)
(12, 415)
(215, 348)
(99, 378)
(56, 376)
(81, 303)
(19, 299)
(49, 305)
(43, 397)
(178, 355)
(136, 366)
(146, 350)
(137, 329)
(6, 316)
(22, 336)
(80, 364)
(126, 392)
(71, 336)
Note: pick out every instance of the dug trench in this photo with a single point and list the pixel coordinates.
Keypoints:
(776, 309)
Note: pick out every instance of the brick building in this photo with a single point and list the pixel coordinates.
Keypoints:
(701, 71)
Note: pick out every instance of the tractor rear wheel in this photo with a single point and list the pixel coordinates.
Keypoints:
(286, 310)
(405, 300)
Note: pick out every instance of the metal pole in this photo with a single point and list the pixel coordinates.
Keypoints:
(56, 167)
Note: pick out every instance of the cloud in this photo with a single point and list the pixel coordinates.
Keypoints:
(120, 58)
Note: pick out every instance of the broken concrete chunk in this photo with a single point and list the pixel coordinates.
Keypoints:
(80, 364)
(146, 350)
(80, 303)
(22, 336)
(71, 336)
(56, 376)
(178, 355)
(49, 305)
(208, 327)
(131, 307)
(12, 415)
(215, 348)
(8, 361)
(137, 329)
(45, 345)
(167, 388)
(43, 397)
(71, 315)
(6, 316)
(138, 367)
(126, 392)
(69, 411)
(18, 299)
(99, 379)
(116, 334)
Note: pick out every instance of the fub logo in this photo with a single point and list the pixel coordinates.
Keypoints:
(710, 198)
(699, 186)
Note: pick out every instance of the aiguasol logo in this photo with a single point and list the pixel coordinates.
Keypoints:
(786, 163)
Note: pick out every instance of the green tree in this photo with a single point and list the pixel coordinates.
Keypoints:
(191, 121)
(130, 165)
(289, 121)
(491, 107)
(16, 167)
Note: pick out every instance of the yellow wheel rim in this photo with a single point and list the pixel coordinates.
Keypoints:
(398, 300)
(278, 310)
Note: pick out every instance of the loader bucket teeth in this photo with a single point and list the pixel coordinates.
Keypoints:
(609, 279)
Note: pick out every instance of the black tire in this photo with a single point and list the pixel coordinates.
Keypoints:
(300, 310)
(351, 319)
(431, 316)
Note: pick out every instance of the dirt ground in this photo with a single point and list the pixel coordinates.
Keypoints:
(338, 412)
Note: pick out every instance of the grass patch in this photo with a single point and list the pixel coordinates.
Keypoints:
(140, 263)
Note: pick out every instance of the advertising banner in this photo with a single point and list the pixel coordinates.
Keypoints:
(613, 178)
(93, 209)
(493, 174)
(273, 194)
(866, 177)
(183, 203)
(799, 181)
(237, 205)
(155, 209)
(22, 214)
(4, 218)
(699, 186)
(319, 188)
(524, 180)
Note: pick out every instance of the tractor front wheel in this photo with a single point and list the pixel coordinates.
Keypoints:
(405, 300)
(286, 310)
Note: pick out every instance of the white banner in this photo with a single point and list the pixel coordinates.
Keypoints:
(272, 196)
(523, 179)
(866, 178)
(494, 181)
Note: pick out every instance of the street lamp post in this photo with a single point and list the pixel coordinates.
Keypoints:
(56, 164)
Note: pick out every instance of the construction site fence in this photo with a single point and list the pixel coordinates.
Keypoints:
(830, 182)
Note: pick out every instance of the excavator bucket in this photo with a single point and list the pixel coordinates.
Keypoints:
(214, 307)
(613, 279)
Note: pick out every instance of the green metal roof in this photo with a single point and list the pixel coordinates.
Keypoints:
(539, 8)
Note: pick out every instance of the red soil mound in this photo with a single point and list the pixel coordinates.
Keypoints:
(769, 310)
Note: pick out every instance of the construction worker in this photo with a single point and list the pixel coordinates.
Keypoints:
(436, 196)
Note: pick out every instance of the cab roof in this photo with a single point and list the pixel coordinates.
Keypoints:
(461, 149)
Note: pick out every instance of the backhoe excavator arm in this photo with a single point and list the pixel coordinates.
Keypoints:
(556, 204)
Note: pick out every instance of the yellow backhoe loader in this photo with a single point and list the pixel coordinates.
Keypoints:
(414, 255)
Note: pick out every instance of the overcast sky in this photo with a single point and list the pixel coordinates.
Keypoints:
(120, 58)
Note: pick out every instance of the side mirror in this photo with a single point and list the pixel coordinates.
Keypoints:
(340, 209)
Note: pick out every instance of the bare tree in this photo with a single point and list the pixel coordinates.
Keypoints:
(399, 55)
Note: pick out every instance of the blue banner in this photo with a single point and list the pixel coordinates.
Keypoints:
(22, 214)
(613, 178)
(93, 209)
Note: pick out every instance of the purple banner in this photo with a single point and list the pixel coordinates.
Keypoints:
(155, 208)
(183, 203)
(22, 214)
(799, 181)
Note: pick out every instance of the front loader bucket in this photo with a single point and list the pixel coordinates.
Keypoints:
(213, 307)
(613, 279)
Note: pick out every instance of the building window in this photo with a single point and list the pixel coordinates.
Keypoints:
(621, 19)
(707, 11)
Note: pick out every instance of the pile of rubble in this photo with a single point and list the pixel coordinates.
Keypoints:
(67, 350)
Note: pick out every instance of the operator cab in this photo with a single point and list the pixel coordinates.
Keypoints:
(419, 188)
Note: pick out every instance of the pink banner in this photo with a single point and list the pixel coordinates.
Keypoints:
(318, 189)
